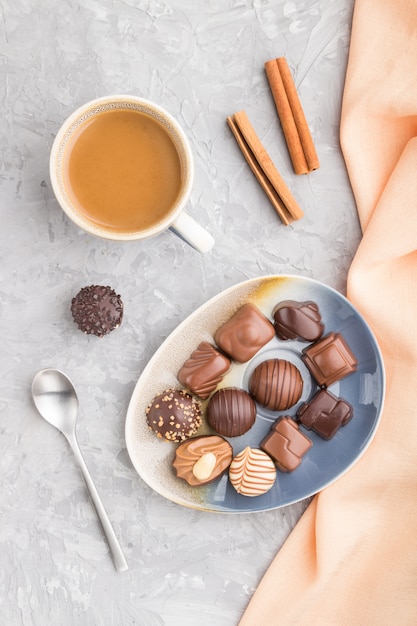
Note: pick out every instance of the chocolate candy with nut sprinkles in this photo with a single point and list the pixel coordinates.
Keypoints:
(97, 310)
(174, 415)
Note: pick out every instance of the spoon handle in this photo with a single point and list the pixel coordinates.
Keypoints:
(118, 556)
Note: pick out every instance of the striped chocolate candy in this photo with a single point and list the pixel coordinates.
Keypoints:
(252, 472)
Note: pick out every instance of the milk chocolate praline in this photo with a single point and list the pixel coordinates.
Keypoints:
(97, 310)
(286, 444)
(252, 472)
(276, 384)
(174, 415)
(330, 359)
(201, 460)
(231, 412)
(203, 370)
(245, 333)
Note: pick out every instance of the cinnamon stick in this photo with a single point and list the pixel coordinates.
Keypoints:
(264, 169)
(293, 121)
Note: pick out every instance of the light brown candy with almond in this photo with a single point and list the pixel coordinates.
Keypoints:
(201, 460)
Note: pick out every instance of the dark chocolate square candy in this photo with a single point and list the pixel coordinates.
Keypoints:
(325, 414)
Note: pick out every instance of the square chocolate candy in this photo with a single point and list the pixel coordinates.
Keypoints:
(330, 359)
(286, 444)
(246, 332)
(325, 414)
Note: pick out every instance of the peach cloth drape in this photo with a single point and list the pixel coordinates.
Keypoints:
(352, 558)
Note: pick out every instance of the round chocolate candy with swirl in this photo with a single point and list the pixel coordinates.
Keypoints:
(252, 472)
(231, 412)
(276, 384)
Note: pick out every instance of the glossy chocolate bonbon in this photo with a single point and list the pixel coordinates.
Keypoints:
(297, 320)
(204, 370)
(174, 415)
(201, 460)
(329, 359)
(276, 384)
(325, 414)
(286, 444)
(244, 334)
(231, 411)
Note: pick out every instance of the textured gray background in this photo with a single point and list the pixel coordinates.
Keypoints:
(202, 60)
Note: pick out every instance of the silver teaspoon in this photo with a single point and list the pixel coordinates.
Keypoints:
(56, 400)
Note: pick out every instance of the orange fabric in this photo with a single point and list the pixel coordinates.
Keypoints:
(352, 558)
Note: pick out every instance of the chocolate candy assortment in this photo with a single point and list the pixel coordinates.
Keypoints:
(277, 384)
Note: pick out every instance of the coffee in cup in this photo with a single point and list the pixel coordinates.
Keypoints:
(121, 168)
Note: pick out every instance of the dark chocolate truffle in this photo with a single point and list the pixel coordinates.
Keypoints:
(325, 413)
(330, 359)
(97, 310)
(286, 444)
(200, 460)
(231, 412)
(276, 384)
(246, 332)
(204, 370)
(174, 415)
(297, 320)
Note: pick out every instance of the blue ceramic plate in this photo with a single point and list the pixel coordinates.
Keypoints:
(325, 461)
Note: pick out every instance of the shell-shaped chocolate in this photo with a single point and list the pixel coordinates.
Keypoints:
(231, 412)
(201, 460)
(252, 472)
(204, 370)
(298, 320)
(276, 384)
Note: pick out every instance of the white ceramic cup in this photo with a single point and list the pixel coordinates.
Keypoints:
(176, 218)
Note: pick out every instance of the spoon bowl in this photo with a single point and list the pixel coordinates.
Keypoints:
(55, 398)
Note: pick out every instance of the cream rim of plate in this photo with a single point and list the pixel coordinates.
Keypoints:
(152, 457)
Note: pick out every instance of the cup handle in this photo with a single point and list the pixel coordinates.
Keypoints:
(192, 233)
